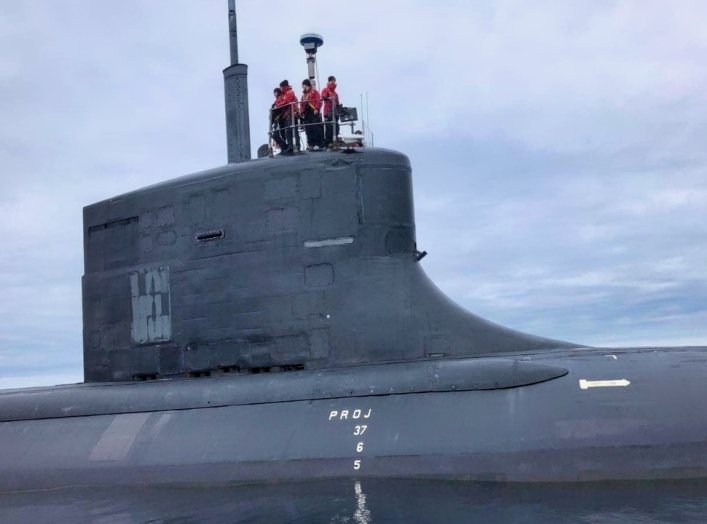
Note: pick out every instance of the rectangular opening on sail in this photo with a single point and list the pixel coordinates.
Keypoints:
(112, 224)
(207, 236)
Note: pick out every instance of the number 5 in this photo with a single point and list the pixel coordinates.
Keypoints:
(357, 464)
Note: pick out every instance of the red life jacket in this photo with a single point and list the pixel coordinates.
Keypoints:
(330, 97)
(290, 100)
(311, 98)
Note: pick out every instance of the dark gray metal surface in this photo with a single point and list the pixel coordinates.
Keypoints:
(359, 381)
(286, 262)
(550, 431)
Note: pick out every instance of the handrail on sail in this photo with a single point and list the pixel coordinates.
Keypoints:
(344, 116)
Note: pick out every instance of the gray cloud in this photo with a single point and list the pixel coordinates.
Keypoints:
(560, 174)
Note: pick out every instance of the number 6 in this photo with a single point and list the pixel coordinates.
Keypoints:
(359, 447)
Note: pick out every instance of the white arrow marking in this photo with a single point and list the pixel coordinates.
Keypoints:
(586, 384)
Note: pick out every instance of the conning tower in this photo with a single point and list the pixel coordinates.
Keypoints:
(275, 263)
(269, 265)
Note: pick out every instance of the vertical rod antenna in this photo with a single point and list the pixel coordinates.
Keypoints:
(233, 31)
(235, 78)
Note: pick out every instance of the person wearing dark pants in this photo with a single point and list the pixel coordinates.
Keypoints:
(290, 116)
(310, 107)
(331, 112)
(278, 134)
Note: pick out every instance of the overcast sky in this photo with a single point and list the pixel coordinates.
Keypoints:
(558, 148)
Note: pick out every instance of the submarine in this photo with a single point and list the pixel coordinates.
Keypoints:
(270, 320)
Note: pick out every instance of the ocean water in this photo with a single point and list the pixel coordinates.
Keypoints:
(368, 501)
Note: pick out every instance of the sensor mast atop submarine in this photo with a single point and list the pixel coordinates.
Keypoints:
(235, 78)
(311, 42)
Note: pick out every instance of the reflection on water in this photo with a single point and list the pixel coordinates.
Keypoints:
(368, 501)
(362, 515)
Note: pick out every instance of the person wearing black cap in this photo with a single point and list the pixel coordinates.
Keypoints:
(276, 120)
(310, 107)
(331, 111)
(290, 115)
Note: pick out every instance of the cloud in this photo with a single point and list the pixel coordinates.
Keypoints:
(40, 380)
(570, 252)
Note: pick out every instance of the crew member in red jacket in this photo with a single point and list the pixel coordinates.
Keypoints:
(290, 115)
(277, 124)
(331, 112)
(310, 108)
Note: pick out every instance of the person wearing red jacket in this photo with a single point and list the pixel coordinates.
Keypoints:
(290, 115)
(277, 123)
(331, 112)
(310, 108)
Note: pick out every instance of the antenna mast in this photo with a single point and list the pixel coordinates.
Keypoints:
(311, 42)
(235, 79)
(233, 31)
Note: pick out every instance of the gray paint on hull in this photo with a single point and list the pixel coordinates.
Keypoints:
(359, 381)
(551, 431)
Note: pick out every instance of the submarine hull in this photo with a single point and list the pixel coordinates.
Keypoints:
(561, 416)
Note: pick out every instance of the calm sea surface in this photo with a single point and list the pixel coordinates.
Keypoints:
(368, 501)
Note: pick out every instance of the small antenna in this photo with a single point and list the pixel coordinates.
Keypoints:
(233, 31)
(363, 120)
(368, 120)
